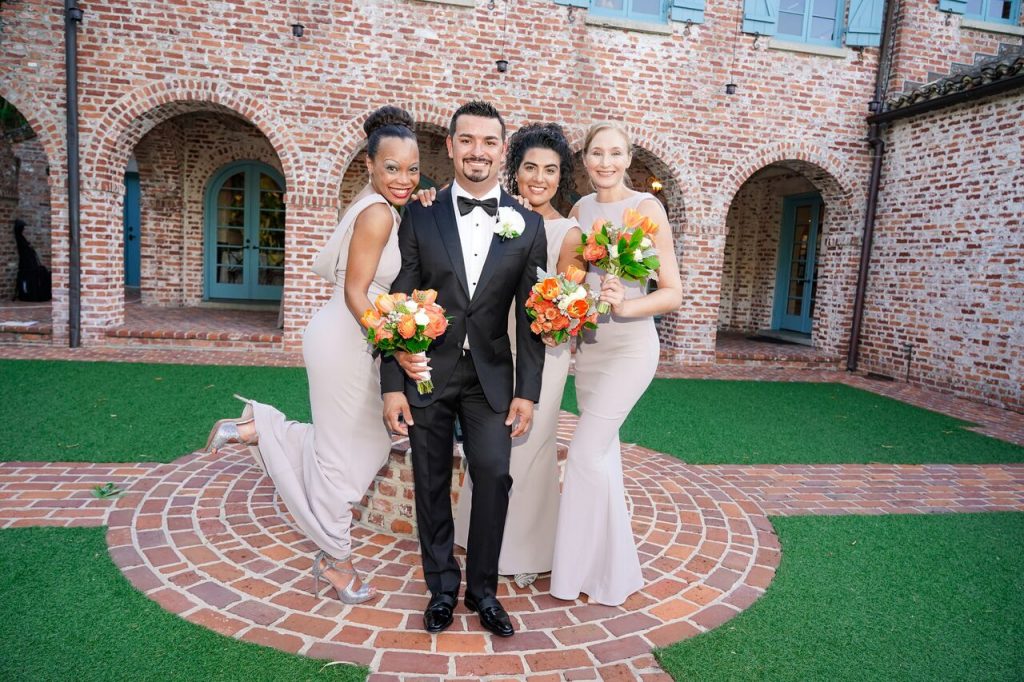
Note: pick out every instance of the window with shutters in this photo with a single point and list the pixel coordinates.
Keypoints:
(810, 21)
(999, 11)
(639, 10)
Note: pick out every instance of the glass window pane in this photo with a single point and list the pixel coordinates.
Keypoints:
(272, 201)
(273, 277)
(793, 305)
(616, 5)
(822, 29)
(229, 197)
(230, 217)
(792, 6)
(791, 24)
(236, 181)
(229, 236)
(267, 182)
(1000, 10)
(229, 265)
(647, 7)
(825, 8)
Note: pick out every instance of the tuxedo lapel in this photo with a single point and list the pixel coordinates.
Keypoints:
(495, 253)
(448, 228)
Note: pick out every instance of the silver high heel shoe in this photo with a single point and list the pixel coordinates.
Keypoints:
(226, 431)
(346, 594)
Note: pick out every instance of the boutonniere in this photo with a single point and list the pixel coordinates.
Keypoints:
(508, 223)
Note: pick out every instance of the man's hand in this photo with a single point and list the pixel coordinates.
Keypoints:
(396, 413)
(415, 366)
(522, 409)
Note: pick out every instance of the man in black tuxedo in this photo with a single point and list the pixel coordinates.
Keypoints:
(452, 247)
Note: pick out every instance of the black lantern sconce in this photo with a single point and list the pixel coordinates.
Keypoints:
(298, 30)
(502, 65)
(730, 88)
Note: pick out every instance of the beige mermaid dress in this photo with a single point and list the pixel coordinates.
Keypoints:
(322, 469)
(595, 553)
(529, 540)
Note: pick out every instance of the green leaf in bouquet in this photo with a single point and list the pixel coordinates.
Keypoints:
(652, 262)
(602, 238)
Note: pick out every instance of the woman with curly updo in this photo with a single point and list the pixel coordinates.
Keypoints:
(539, 164)
(322, 469)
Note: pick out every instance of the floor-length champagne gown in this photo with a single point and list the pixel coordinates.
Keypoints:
(321, 469)
(595, 553)
(529, 540)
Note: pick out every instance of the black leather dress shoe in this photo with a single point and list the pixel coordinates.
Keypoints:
(438, 615)
(492, 615)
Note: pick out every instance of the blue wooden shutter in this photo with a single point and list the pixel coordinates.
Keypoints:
(688, 10)
(584, 3)
(865, 26)
(761, 16)
(954, 6)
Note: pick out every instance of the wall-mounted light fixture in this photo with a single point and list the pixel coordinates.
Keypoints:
(502, 65)
(298, 30)
(730, 88)
(655, 184)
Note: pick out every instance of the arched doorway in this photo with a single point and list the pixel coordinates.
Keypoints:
(244, 233)
(25, 241)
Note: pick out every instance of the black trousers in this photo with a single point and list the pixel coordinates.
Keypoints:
(487, 445)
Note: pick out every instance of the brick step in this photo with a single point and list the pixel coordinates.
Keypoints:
(780, 361)
(25, 332)
(194, 339)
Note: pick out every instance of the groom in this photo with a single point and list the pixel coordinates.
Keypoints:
(452, 247)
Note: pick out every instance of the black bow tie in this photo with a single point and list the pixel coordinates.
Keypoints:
(467, 204)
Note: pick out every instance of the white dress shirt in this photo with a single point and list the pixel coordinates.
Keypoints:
(476, 232)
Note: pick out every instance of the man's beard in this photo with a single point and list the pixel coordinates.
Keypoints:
(475, 175)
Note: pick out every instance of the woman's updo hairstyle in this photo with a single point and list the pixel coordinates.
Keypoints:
(387, 122)
(546, 136)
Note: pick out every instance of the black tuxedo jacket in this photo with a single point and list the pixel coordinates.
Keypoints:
(428, 239)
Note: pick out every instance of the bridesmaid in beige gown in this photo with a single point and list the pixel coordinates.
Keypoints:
(595, 553)
(321, 469)
(543, 165)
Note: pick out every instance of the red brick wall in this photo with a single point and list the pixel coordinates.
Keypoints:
(948, 274)
(145, 62)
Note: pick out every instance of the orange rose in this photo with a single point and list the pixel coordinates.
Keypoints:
(577, 308)
(407, 327)
(437, 325)
(632, 219)
(547, 326)
(426, 297)
(596, 227)
(536, 327)
(574, 274)
(370, 319)
(549, 288)
(531, 300)
(560, 322)
(594, 252)
(385, 303)
(550, 313)
(383, 333)
(398, 298)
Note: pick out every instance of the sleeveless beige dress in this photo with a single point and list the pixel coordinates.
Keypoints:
(321, 469)
(529, 541)
(595, 552)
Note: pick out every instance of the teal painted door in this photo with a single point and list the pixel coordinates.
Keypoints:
(797, 277)
(132, 222)
(245, 219)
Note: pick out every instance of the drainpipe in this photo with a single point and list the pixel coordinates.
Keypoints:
(72, 18)
(877, 143)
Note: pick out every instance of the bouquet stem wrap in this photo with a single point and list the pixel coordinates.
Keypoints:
(426, 384)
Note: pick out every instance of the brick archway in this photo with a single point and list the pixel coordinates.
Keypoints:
(108, 148)
(838, 251)
(43, 123)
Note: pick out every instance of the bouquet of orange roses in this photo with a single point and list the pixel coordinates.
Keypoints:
(409, 323)
(561, 306)
(627, 251)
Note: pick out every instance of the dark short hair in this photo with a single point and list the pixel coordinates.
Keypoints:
(476, 108)
(547, 136)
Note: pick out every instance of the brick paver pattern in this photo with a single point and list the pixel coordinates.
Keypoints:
(208, 539)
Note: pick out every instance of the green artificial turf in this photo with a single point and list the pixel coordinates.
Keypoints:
(127, 412)
(877, 598)
(761, 422)
(69, 614)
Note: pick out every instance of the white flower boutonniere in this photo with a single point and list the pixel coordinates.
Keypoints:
(509, 224)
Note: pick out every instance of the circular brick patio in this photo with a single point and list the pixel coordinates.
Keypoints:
(210, 541)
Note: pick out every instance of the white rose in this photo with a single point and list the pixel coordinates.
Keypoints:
(421, 318)
(638, 255)
(646, 243)
(613, 251)
(508, 223)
